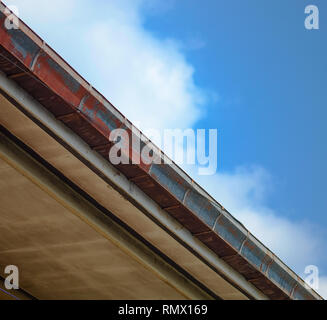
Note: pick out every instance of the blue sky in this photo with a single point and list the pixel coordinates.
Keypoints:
(270, 74)
(246, 67)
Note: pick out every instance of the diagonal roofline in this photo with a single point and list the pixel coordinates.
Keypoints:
(39, 70)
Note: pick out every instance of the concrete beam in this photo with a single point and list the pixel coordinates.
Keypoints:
(83, 209)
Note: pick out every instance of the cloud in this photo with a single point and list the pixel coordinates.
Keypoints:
(149, 80)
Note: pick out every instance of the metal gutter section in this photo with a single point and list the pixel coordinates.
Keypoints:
(72, 100)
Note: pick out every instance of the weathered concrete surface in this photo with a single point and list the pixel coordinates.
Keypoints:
(60, 255)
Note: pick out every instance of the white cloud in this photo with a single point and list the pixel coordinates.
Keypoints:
(148, 79)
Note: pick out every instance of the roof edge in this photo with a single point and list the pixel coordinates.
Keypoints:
(219, 228)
